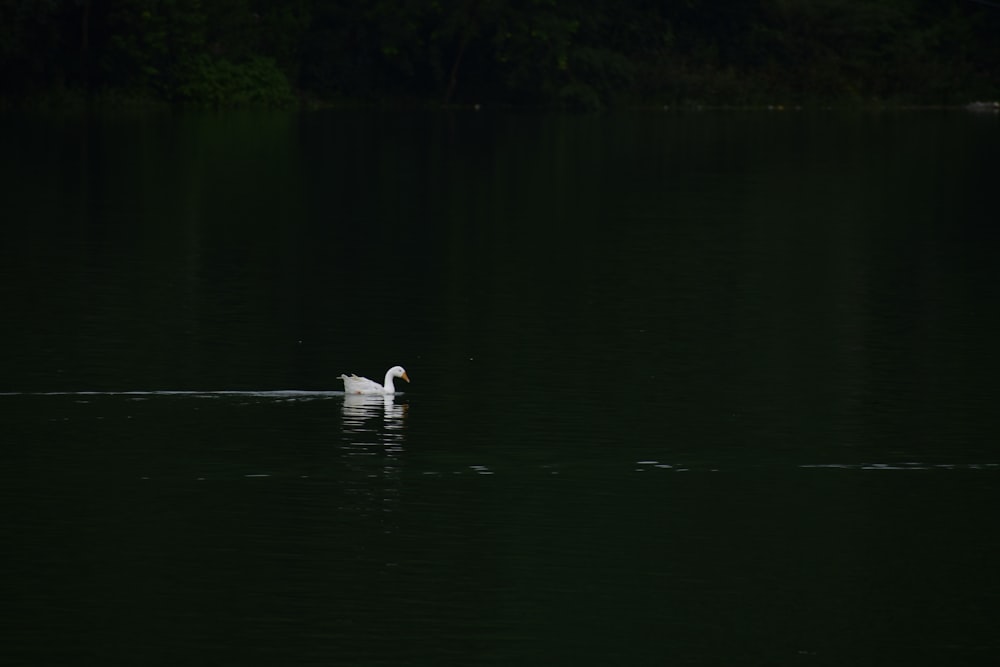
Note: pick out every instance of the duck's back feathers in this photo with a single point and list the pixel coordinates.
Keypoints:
(354, 384)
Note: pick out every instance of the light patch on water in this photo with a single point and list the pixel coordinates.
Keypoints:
(906, 465)
(654, 463)
(146, 395)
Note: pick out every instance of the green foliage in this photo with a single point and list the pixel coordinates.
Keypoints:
(605, 71)
(149, 39)
(218, 82)
(33, 46)
(801, 51)
(584, 55)
(532, 50)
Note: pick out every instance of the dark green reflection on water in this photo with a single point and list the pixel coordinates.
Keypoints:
(686, 388)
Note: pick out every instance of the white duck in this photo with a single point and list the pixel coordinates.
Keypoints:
(358, 385)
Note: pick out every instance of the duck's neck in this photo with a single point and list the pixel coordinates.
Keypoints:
(387, 385)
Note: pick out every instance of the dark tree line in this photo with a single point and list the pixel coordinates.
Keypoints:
(585, 53)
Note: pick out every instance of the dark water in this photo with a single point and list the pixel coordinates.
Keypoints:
(686, 389)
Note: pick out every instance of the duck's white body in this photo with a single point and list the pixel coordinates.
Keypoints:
(359, 385)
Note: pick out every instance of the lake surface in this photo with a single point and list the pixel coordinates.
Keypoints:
(704, 388)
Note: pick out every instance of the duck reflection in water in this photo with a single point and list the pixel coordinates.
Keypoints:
(374, 432)
(375, 420)
(359, 408)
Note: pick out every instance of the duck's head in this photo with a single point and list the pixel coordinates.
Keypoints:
(398, 372)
